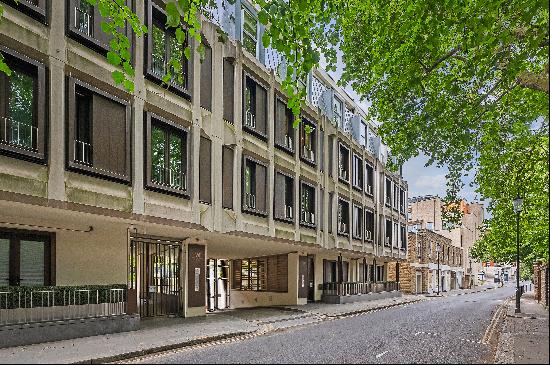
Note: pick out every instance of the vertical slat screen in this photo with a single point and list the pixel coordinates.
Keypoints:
(227, 177)
(206, 79)
(228, 90)
(205, 172)
(261, 183)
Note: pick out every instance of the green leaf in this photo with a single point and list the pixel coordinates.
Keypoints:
(128, 85)
(118, 76)
(113, 58)
(180, 35)
(266, 40)
(263, 17)
(187, 52)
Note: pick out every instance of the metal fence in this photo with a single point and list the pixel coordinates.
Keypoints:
(357, 288)
(38, 305)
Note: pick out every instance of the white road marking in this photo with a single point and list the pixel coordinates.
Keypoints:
(381, 354)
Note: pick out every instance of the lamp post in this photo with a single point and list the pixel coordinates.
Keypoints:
(438, 250)
(518, 204)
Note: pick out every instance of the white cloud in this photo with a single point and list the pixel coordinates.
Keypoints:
(430, 182)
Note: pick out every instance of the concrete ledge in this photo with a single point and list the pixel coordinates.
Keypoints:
(342, 299)
(31, 333)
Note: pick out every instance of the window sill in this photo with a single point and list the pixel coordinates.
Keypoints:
(255, 133)
(95, 172)
(87, 41)
(357, 187)
(354, 237)
(253, 212)
(167, 190)
(307, 224)
(343, 234)
(284, 148)
(34, 11)
(174, 88)
(284, 220)
(307, 160)
(22, 154)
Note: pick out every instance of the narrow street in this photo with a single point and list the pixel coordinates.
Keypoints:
(440, 330)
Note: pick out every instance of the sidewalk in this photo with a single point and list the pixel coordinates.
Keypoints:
(455, 292)
(524, 336)
(163, 334)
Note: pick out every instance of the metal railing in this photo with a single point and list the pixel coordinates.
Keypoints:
(172, 177)
(308, 217)
(83, 152)
(250, 200)
(289, 143)
(39, 305)
(342, 173)
(288, 211)
(358, 288)
(308, 153)
(19, 134)
(83, 21)
(250, 119)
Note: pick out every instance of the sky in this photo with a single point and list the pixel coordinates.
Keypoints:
(422, 180)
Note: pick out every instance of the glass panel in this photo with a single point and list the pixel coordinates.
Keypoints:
(248, 179)
(175, 154)
(31, 262)
(21, 130)
(176, 52)
(158, 56)
(250, 32)
(244, 275)
(4, 262)
(157, 155)
(84, 18)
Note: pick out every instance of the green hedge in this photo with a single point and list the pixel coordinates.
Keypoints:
(20, 296)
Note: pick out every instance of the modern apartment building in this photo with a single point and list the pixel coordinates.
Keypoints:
(431, 255)
(426, 213)
(192, 197)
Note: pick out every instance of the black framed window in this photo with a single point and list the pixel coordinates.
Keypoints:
(254, 107)
(388, 193)
(162, 46)
(268, 273)
(284, 197)
(369, 179)
(84, 25)
(343, 163)
(284, 131)
(357, 172)
(343, 217)
(99, 132)
(395, 199)
(307, 204)
(36, 9)
(254, 186)
(167, 155)
(308, 141)
(395, 235)
(22, 107)
(250, 31)
(402, 201)
(357, 232)
(388, 233)
(369, 225)
(26, 258)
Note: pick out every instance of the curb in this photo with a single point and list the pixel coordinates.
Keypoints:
(347, 314)
(157, 349)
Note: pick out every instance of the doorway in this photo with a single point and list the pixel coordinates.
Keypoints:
(311, 278)
(217, 283)
(154, 277)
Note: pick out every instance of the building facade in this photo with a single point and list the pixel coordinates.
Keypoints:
(426, 213)
(194, 196)
(429, 256)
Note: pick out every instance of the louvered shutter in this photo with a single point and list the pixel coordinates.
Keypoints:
(206, 79)
(280, 194)
(236, 266)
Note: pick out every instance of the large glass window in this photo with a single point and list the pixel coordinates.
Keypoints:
(250, 32)
(84, 17)
(307, 204)
(357, 172)
(25, 259)
(343, 163)
(357, 222)
(343, 217)
(338, 114)
(168, 156)
(307, 140)
(166, 47)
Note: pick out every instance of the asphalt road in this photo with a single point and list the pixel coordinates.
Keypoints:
(441, 330)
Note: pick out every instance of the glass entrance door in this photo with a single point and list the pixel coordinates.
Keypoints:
(217, 282)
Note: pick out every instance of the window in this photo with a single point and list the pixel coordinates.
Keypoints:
(357, 172)
(284, 131)
(395, 235)
(308, 142)
(330, 204)
(343, 217)
(395, 196)
(402, 201)
(227, 177)
(388, 236)
(321, 150)
(330, 154)
(99, 132)
(162, 46)
(26, 258)
(369, 179)
(167, 153)
(357, 222)
(206, 79)
(84, 25)
(284, 197)
(228, 90)
(261, 274)
(22, 106)
(254, 107)
(250, 32)
(307, 204)
(337, 112)
(388, 192)
(322, 209)
(205, 170)
(369, 225)
(254, 186)
(343, 163)
(34, 8)
(363, 134)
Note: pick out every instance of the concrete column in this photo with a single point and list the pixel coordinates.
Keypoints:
(56, 139)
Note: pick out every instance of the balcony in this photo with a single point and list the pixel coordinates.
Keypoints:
(250, 119)
(346, 292)
(83, 152)
(19, 134)
(250, 201)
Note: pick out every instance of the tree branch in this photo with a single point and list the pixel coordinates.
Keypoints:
(449, 54)
(537, 82)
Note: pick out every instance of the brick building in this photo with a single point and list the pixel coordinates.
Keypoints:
(419, 273)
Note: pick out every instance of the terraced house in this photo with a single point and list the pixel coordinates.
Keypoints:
(182, 199)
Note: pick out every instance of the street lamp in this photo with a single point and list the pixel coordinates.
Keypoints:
(518, 204)
(438, 250)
